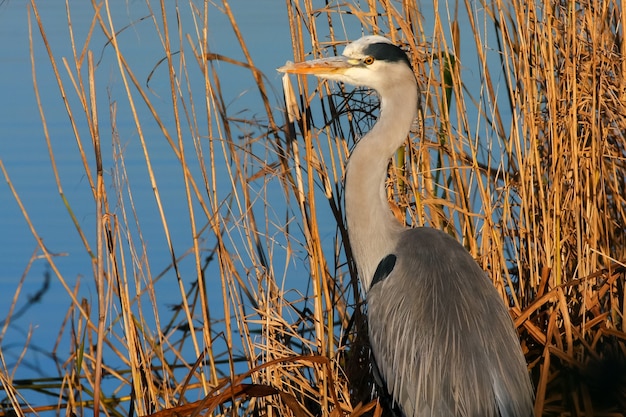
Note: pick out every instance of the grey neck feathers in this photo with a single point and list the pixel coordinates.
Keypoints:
(372, 228)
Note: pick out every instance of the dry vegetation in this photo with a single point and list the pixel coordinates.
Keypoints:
(527, 169)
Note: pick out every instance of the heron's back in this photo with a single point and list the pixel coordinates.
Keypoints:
(441, 335)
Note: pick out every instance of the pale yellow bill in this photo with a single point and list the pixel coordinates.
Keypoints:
(334, 65)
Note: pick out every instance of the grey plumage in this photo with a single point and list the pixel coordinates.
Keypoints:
(441, 336)
(463, 353)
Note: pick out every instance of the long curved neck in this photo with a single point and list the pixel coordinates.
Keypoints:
(372, 228)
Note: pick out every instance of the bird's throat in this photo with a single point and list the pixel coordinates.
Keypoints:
(372, 228)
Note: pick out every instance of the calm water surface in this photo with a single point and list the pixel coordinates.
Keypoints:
(24, 153)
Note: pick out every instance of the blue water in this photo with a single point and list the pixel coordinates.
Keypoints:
(24, 153)
(22, 145)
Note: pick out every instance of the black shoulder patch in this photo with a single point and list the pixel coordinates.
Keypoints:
(386, 52)
(384, 268)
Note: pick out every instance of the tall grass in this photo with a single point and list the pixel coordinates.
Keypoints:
(525, 166)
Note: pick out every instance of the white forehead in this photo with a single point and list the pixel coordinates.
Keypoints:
(355, 49)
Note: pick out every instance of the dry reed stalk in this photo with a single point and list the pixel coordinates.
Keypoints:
(567, 73)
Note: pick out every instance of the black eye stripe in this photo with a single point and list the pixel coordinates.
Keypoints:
(386, 52)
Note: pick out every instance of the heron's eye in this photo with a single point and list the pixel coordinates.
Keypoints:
(368, 60)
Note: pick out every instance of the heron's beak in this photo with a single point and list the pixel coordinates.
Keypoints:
(320, 67)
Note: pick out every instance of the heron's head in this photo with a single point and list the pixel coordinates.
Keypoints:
(372, 61)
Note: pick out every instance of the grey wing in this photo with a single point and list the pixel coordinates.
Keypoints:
(441, 335)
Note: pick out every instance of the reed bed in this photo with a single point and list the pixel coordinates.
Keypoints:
(526, 167)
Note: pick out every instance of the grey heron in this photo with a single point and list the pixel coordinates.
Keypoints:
(441, 335)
